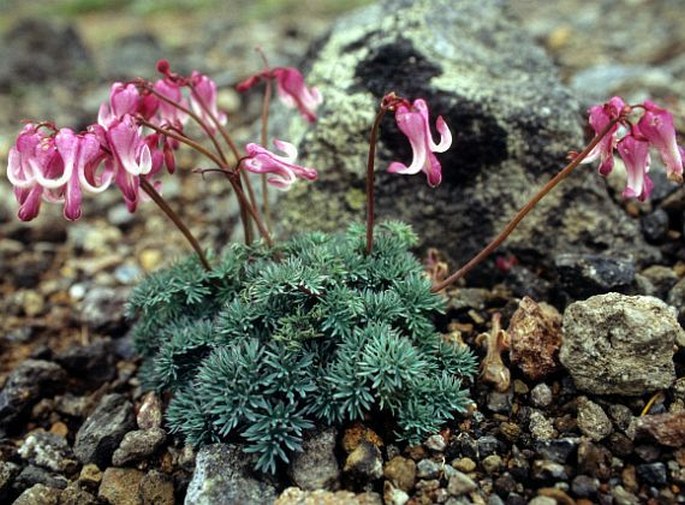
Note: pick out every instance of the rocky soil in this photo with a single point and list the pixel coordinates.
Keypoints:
(597, 419)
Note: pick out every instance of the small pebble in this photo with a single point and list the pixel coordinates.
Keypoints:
(428, 469)
(653, 474)
(592, 420)
(584, 486)
(436, 443)
(540, 427)
(541, 395)
(465, 465)
(401, 472)
(461, 484)
(492, 464)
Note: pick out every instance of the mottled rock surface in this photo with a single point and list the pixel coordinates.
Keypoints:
(618, 344)
(513, 124)
(222, 477)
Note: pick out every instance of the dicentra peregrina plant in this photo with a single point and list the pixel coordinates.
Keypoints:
(329, 328)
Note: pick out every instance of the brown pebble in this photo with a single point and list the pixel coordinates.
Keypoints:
(121, 486)
(357, 433)
(465, 465)
(59, 428)
(90, 477)
(150, 412)
(401, 472)
(629, 478)
(535, 338)
(157, 489)
(667, 429)
(416, 452)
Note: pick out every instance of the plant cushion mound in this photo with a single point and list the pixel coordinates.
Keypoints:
(273, 341)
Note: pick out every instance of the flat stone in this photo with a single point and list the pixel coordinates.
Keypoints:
(39, 495)
(103, 430)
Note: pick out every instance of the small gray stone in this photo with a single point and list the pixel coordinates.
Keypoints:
(617, 344)
(31, 381)
(623, 497)
(540, 427)
(542, 500)
(73, 494)
(436, 443)
(316, 467)
(488, 445)
(545, 470)
(94, 361)
(492, 464)
(584, 275)
(222, 477)
(557, 450)
(8, 471)
(137, 445)
(584, 486)
(428, 469)
(102, 308)
(39, 494)
(460, 484)
(592, 420)
(31, 475)
(103, 430)
(49, 451)
(652, 474)
(541, 395)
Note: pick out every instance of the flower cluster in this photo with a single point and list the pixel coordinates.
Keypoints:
(654, 128)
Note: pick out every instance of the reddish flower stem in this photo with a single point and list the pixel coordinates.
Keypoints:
(523, 212)
(268, 89)
(175, 218)
(370, 179)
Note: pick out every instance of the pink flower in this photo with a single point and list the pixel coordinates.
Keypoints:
(413, 122)
(295, 94)
(54, 168)
(130, 158)
(635, 155)
(167, 113)
(126, 99)
(291, 89)
(282, 170)
(600, 116)
(656, 124)
(203, 100)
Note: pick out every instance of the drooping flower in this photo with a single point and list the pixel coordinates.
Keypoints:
(600, 117)
(131, 158)
(654, 129)
(54, 167)
(293, 92)
(413, 122)
(203, 100)
(656, 124)
(126, 99)
(291, 88)
(635, 155)
(282, 170)
(168, 114)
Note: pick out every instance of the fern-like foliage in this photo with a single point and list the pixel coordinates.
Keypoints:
(273, 341)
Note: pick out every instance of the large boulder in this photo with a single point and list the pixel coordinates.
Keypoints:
(513, 125)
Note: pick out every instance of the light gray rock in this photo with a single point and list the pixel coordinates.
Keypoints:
(221, 477)
(316, 467)
(592, 420)
(618, 344)
(512, 120)
(49, 451)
